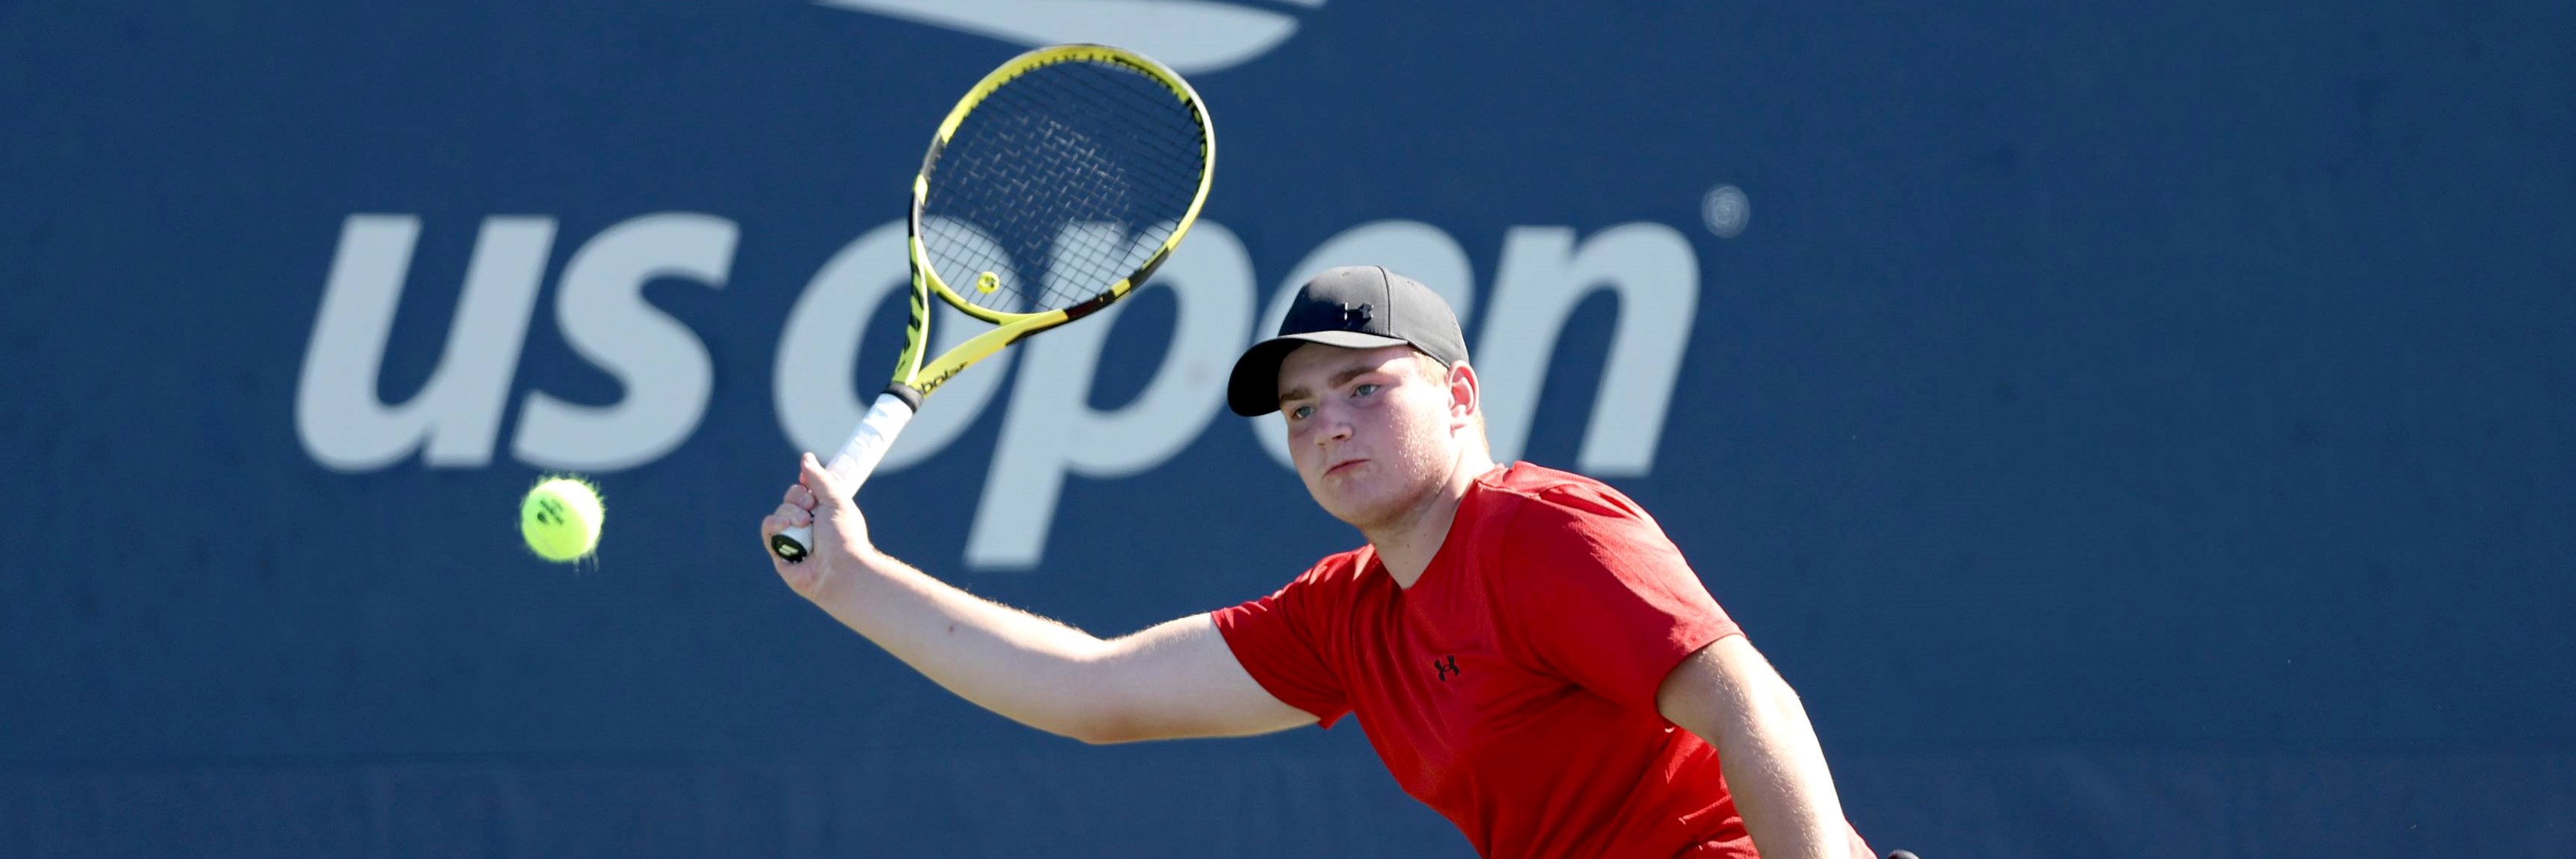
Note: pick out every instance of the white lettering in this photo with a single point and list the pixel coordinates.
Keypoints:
(1543, 275)
(457, 413)
(1051, 430)
(663, 365)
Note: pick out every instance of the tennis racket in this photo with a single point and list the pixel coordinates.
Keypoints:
(1090, 158)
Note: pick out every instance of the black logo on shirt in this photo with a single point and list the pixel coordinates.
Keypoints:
(1446, 666)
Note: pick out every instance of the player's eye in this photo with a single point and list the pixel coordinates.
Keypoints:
(1366, 389)
(1301, 413)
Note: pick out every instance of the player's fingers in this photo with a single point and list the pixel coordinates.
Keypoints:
(800, 497)
(794, 516)
(770, 526)
(785, 517)
(826, 488)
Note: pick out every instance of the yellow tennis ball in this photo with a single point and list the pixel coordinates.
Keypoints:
(560, 518)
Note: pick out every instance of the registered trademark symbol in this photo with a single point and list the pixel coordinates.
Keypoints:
(1726, 210)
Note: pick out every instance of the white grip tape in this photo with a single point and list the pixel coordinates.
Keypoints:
(856, 460)
(867, 445)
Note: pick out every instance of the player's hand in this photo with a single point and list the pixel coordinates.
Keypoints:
(840, 533)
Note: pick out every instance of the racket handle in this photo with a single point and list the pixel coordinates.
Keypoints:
(857, 459)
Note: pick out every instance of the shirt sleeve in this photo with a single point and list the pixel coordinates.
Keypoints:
(1605, 599)
(1277, 640)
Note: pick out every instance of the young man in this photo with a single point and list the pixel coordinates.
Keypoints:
(1522, 643)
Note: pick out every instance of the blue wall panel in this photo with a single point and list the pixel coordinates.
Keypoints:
(2135, 429)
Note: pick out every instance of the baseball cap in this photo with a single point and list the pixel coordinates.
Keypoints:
(1355, 307)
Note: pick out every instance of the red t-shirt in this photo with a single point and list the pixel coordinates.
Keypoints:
(1512, 688)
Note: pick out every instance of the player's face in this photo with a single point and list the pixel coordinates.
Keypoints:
(1369, 429)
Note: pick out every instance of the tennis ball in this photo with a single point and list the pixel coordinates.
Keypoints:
(560, 518)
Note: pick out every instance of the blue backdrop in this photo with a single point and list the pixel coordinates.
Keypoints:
(2135, 429)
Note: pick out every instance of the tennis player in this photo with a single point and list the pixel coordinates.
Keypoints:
(1532, 656)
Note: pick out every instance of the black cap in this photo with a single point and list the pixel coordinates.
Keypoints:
(1355, 307)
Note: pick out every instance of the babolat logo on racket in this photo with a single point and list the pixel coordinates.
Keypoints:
(1188, 35)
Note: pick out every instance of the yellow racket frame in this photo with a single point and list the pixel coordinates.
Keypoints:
(892, 410)
(921, 379)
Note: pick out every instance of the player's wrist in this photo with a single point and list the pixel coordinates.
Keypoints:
(856, 561)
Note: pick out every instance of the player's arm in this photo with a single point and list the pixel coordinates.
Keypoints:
(1729, 695)
(1176, 679)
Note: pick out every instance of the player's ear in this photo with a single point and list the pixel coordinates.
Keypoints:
(1465, 395)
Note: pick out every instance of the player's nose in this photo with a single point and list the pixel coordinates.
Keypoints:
(1331, 426)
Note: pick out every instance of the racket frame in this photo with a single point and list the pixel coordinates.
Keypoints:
(1012, 327)
(914, 379)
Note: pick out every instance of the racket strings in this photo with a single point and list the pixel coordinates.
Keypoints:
(1093, 186)
(1084, 167)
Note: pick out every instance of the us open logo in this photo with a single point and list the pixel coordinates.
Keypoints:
(1050, 431)
(1514, 311)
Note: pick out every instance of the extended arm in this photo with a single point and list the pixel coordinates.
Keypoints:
(1176, 679)
(1729, 695)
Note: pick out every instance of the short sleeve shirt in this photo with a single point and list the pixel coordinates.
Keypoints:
(1512, 687)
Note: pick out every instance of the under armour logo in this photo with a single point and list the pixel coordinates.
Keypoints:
(1356, 316)
(1446, 666)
